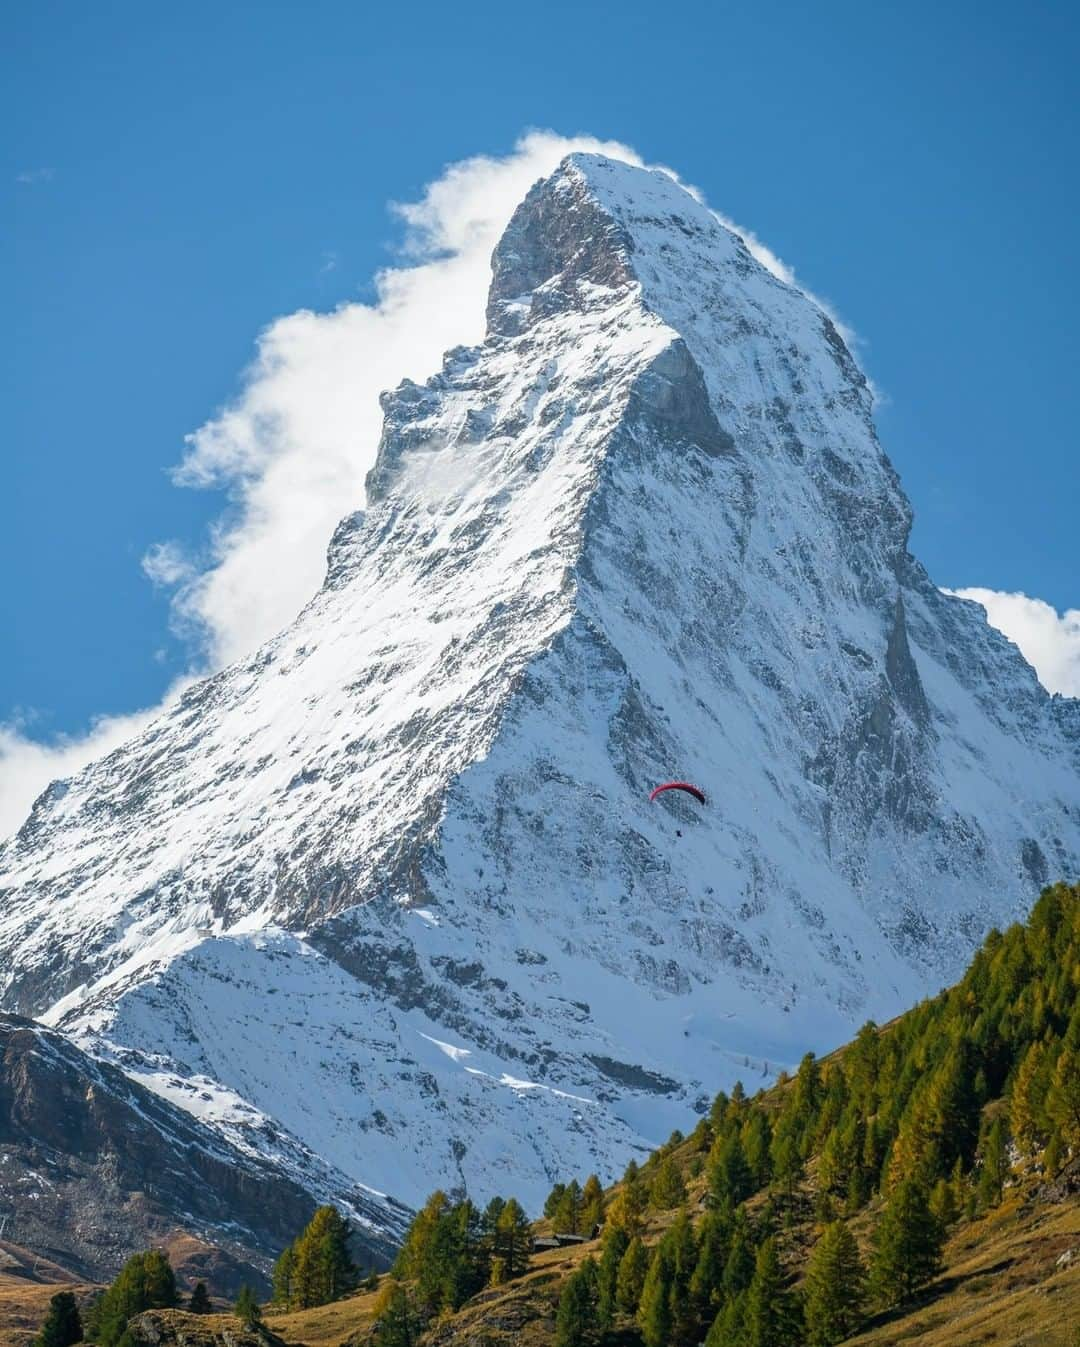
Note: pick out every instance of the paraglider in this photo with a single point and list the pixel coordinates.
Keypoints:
(698, 795)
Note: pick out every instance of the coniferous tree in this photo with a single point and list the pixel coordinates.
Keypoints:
(705, 1282)
(489, 1221)
(771, 1313)
(993, 1166)
(680, 1247)
(247, 1308)
(835, 1289)
(1027, 1111)
(1054, 1155)
(200, 1300)
(729, 1327)
(592, 1204)
(756, 1140)
(514, 1238)
(145, 1282)
(551, 1202)
(943, 1203)
(616, 1242)
(62, 1325)
(667, 1189)
(806, 1099)
(718, 1111)
(284, 1276)
(398, 1323)
(654, 1316)
(739, 1267)
(627, 1208)
(566, 1217)
(730, 1178)
(787, 1160)
(631, 1279)
(907, 1244)
(575, 1319)
(1063, 1097)
(322, 1269)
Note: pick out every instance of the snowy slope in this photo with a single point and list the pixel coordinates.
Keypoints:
(395, 882)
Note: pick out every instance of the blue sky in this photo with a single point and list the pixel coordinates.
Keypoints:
(179, 177)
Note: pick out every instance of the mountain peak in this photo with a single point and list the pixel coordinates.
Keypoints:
(575, 233)
(644, 530)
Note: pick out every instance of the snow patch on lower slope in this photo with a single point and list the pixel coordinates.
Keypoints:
(264, 1025)
(290, 1057)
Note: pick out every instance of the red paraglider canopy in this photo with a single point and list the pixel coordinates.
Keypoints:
(679, 785)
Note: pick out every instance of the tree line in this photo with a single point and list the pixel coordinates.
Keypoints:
(145, 1282)
(452, 1251)
(919, 1119)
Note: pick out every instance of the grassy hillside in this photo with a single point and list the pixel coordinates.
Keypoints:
(1001, 1285)
(27, 1283)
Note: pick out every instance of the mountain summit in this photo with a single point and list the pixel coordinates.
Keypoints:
(391, 892)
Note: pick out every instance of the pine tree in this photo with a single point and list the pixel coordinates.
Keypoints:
(627, 1208)
(592, 1205)
(62, 1325)
(787, 1160)
(566, 1217)
(200, 1300)
(1027, 1104)
(729, 1327)
(713, 1239)
(615, 1244)
(284, 1277)
(835, 1287)
(756, 1140)
(514, 1238)
(575, 1319)
(397, 1321)
(322, 1269)
(654, 1316)
(247, 1308)
(553, 1199)
(667, 1189)
(771, 1315)
(739, 1268)
(730, 1178)
(943, 1203)
(1063, 1097)
(145, 1282)
(631, 1279)
(993, 1167)
(907, 1244)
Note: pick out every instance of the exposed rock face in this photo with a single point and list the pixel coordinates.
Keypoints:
(395, 881)
(94, 1167)
(174, 1328)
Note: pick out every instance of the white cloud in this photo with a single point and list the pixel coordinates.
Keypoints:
(30, 177)
(27, 765)
(294, 447)
(166, 564)
(1048, 640)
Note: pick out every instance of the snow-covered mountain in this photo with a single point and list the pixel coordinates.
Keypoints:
(395, 882)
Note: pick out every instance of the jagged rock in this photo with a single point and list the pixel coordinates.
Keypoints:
(95, 1167)
(174, 1328)
(645, 529)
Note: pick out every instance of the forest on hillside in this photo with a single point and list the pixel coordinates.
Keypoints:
(908, 1130)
